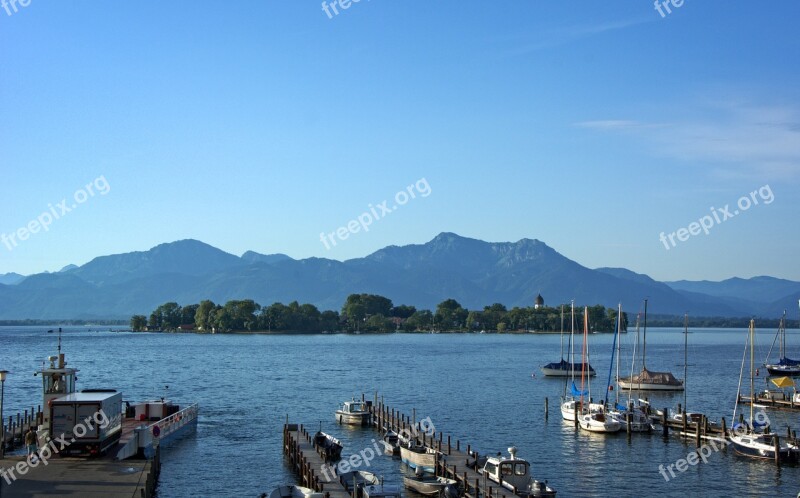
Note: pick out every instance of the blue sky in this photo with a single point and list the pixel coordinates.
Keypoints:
(258, 125)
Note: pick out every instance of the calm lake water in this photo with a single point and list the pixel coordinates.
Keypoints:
(477, 388)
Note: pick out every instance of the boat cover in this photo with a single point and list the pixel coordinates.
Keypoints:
(648, 377)
(577, 392)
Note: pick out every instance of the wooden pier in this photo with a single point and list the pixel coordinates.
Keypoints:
(14, 431)
(308, 463)
(454, 459)
(774, 401)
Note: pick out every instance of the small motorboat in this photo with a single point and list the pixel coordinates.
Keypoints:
(431, 485)
(391, 443)
(381, 491)
(292, 491)
(357, 480)
(353, 413)
(419, 456)
(328, 446)
(514, 474)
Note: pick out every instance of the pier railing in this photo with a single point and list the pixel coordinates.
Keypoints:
(14, 431)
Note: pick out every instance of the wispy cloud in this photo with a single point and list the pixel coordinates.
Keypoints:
(738, 140)
(568, 34)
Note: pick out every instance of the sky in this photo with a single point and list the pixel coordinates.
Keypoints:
(276, 127)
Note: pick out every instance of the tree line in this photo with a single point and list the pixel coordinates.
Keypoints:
(369, 313)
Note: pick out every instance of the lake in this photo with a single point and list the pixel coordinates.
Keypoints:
(478, 388)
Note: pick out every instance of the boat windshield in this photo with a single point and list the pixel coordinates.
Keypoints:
(506, 468)
(357, 407)
(521, 469)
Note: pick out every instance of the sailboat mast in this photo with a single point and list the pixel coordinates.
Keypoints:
(572, 340)
(585, 354)
(752, 368)
(562, 332)
(619, 329)
(685, 356)
(644, 338)
(783, 335)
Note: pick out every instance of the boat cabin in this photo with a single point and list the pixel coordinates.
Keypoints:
(511, 471)
(57, 381)
(354, 407)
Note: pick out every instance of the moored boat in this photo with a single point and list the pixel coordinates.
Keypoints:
(356, 480)
(785, 366)
(292, 491)
(418, 456)
(381, 491)
(431, 485)
(648, 380)
(391, 443)
(754, 440)
(514, 474)
(328, 446)
(353, 413)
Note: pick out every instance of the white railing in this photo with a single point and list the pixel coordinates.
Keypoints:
(172, 423)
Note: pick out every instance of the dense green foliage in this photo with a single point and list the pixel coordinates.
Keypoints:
(366, 313)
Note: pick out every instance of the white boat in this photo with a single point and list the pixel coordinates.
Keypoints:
(785, 366)
(648, 380)
(514, 474)
(432, 485)
(353, 413)
(752, 440)
(381, 491)
(418, 456)
(599, 422)
(357, 480)
(639, 421)
(292, 491)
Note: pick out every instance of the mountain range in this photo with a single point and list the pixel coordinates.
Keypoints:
(474, 272)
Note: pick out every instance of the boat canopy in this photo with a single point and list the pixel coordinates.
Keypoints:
(787, 362)
(648, 377)
(783, 382)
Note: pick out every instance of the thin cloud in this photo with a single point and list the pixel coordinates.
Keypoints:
(569, 34)
(738, 140)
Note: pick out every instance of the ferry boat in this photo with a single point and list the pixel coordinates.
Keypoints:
(353, 413)
(514, 473)
(95, 422)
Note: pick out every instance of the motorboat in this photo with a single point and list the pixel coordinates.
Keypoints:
(514, 474)
(418, 456)
(328, 446)
(391, 443)
(432, 485)
(356, 480)
(353, 413)
(292, 491)
(381, 491)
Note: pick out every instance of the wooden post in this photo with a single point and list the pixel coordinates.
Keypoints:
(685, 423)
(449, 448)
(575, 415)
(697, 426)
(664, 423)
(776, 439)
(724, 430)
(628, 417)
(545, 407)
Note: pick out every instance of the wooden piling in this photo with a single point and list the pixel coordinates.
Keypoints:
(664, 422)
(545, 408)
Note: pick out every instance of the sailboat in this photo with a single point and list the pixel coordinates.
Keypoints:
(568, 403)
(648, 380)
(595, 419)
(785, 366)
(640, 422)
(754, 440)
(564, 368)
